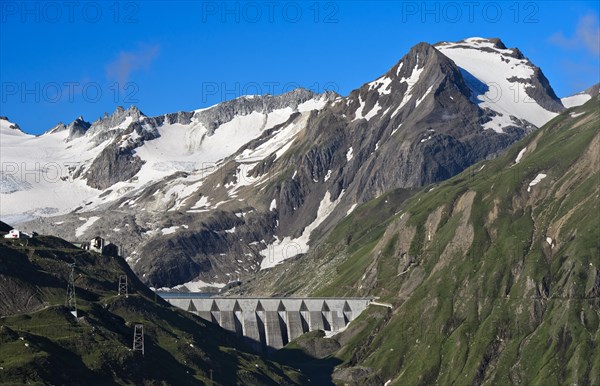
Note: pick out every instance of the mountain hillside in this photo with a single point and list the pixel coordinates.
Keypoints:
(203, 197)
(41, 342)
(493, 276)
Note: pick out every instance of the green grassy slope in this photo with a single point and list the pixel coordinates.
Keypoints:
(493, 281)
(42, 343)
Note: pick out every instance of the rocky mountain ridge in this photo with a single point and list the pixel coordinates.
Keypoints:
(206, 196)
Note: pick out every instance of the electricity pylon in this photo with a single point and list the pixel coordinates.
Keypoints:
(123, 290)
(138, 338)
(71, 301)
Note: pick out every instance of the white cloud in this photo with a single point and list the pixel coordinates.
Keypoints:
(587, 35)
(130, 61)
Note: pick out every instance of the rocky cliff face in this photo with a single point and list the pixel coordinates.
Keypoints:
(117, 162)
(116, 119)
(222, 192)
(594, 90)
(77, 128)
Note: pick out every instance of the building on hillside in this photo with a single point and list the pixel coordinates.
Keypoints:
(16, 234)
(100, 245)
(96, 244)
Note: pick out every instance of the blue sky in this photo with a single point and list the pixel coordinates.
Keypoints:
(59, 60)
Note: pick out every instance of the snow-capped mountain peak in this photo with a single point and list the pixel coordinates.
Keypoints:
(117, 119)
(278, 169)
(127, 144)
(416, 78)
(504, 81)
(75, 129)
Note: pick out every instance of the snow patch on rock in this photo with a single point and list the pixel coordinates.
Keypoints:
(536, 180)
(520, 155)
(88, 223)
(281, 250)
(350, 154)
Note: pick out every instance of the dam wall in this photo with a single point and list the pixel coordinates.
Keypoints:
(271, 323)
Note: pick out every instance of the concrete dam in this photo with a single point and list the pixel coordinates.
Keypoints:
(271, 323)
